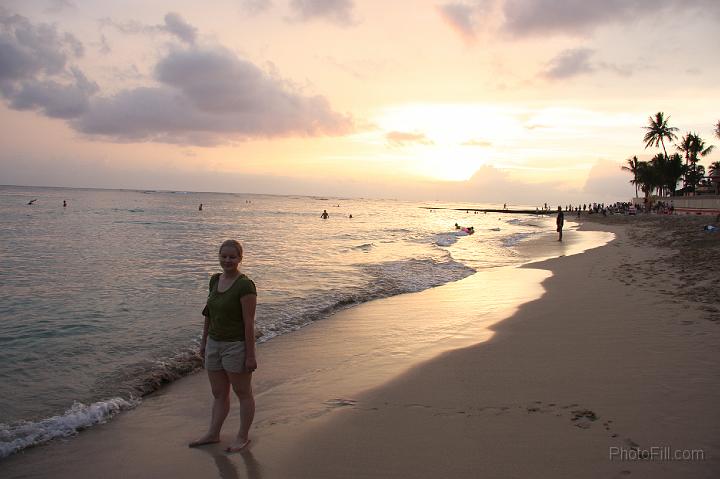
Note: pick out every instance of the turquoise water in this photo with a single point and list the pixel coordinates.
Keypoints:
(100, 301)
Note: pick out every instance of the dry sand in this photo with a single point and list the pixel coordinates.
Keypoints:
(619, 352)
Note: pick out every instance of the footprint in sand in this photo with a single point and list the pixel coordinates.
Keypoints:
(340, 402)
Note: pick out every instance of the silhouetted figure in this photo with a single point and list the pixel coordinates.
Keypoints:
(200, 207)
(324, 215)
(32, 201)
(350, 216)
(64, 204)
(560, 222)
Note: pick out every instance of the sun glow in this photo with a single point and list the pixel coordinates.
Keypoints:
(449, 141)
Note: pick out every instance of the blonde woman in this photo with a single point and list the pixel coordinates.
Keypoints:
(228, 345)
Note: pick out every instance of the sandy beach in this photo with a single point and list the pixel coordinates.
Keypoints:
(575, 366)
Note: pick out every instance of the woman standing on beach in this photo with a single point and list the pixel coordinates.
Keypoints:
(228, 345)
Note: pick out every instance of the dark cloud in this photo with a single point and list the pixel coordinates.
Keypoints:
(35, 69)
(460, 17)
(570, 63)
(255, 6)
(338, 11)
(520, 18)
(54, 99)
(209, 96)
(537, 17)
(176, 25)
(203, 95)
(401, 138)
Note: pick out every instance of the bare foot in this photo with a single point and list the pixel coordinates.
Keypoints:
(207, 439)
(238, 445)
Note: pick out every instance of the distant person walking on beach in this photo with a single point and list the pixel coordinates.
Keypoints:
(228, 345)
(324, 215)
(560, 222)
(200, 207)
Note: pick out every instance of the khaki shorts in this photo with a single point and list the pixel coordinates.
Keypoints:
(225, 355)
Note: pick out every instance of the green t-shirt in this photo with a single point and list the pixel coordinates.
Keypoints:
(224, 309)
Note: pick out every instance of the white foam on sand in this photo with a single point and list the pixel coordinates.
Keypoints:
(18, 436)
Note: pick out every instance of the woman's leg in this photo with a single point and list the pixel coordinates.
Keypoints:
(242, 385)
(220, 386)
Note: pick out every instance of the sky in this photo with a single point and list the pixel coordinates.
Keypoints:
(493, 101)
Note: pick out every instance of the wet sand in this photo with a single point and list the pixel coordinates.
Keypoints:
(514, 372)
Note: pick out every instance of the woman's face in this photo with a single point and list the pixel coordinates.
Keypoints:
(229, 259)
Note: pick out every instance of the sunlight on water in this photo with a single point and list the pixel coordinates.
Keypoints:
(101, 300)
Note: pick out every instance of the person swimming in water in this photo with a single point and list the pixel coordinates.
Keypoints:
(324, 215)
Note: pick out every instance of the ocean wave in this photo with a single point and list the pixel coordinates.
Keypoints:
(384, 279)
(514, 239)
(530, 221)
(406, 276)
(447, 239)
(364, 247)
(24, 434)
(146, 377)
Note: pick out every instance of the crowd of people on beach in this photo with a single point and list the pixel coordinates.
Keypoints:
(620, 208)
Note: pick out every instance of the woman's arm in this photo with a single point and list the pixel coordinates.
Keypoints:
(248, 303)
(203, 341)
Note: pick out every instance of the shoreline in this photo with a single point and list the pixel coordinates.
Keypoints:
(312, 400)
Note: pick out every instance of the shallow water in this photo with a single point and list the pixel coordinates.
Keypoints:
(100, 301)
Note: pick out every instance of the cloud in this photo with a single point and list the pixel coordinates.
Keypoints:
(203, 95)
(54, 99)
(255, 6)
(35, 70)
(576, 61)
(480, 143)
(569, 63)
(525, 18)
(337, 11)
(174, 24)
(58, 6)
(460, 17)
(209, 96)
(607, 180)
(399, 138)
(539, 17)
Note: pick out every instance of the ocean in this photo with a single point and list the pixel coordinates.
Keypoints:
(100, 300)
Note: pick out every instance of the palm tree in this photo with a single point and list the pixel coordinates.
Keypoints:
(715, 168)
(715, 173)
(717, 129)
(632, 167)
(658, 130)
(674, 170)
(694, 175)
(687, 145)
(647, 178)
(694, 147)
(700, 148)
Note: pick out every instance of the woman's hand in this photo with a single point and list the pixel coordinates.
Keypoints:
(250, 363)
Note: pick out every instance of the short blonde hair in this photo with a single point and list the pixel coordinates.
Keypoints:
(233, 243)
